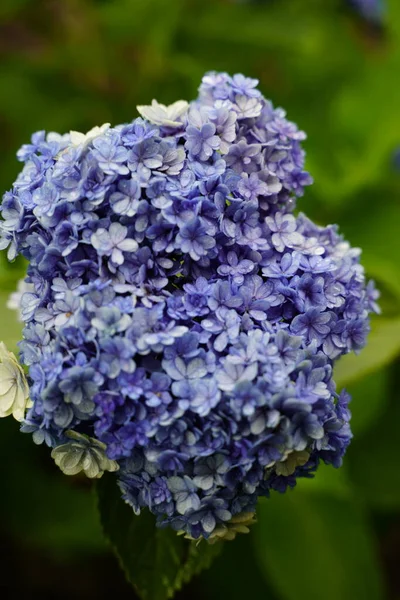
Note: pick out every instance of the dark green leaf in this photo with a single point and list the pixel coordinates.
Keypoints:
(315, 545)
(373, 461)
(329, 480)
(383, 346)
(62, 515)
(237, 576)
(156, 561)
(386, 275)
(369, 400)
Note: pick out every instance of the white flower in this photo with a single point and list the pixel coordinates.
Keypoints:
(14, 299)
(85, 454)
(83, 139)
(247, 108)
(14, 389)
(161, 115)
(311, 246)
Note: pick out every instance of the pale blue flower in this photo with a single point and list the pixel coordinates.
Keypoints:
(113, 242)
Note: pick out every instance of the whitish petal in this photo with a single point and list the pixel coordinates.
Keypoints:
(77, 138)
(7, 402)
(176, 484)
(128, 245)
(83, 454)
(162, 115)
(90, 466)
(177, 109)
(6, 378)
(14, 390)
(71, 463)
(196, 369)
(187, 502)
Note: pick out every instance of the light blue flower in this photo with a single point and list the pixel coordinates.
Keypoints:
(193, 239)
(111, 156)
(283, 229)
(125, 201)
(201, 135)
(184, 493)
(113, 242)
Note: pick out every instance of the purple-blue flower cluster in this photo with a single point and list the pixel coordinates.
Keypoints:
(179, 312)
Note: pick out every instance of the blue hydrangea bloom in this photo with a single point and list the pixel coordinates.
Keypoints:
(178, 311)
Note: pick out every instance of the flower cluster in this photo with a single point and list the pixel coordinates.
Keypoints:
(177, 314)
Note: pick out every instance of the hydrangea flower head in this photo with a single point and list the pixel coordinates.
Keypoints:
(181, 323)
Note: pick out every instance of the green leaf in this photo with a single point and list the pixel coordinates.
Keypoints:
(376, 230)
(373, 461)
(235, 575)
(62, 515)
(315, 545)
(385, 273)
(11, 328)
(383, 347)
(369, 399)
(156, 561)
(329, 480)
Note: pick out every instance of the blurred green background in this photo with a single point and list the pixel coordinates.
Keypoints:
(72, 64)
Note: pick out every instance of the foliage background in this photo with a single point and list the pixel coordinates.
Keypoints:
(71, 64)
